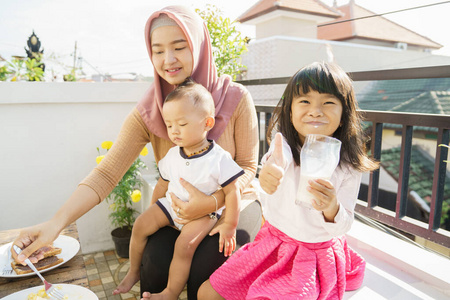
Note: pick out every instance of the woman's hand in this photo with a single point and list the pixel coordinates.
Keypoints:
(35, 237)
(32, 239)
(199, 204)
(272, 172)
(324, 198)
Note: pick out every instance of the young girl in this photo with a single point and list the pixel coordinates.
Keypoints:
(301, 253)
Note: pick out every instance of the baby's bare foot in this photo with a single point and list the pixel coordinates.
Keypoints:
(164, 295)
(127, 283)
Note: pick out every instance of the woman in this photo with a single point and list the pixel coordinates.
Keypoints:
(179, 46)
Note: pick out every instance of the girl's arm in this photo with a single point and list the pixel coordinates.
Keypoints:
(346, 195)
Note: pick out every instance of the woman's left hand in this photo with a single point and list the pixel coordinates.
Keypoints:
(199, 204)
(324, 198)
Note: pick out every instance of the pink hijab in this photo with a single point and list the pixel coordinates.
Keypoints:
(226, 94)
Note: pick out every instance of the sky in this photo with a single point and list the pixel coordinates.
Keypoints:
(109, 34)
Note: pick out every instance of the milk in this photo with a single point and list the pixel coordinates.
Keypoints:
(318, 159)
(303, 196)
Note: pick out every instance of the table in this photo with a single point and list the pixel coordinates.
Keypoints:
(72, 272)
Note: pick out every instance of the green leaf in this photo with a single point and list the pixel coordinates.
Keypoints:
(123, 215)
(226, 40)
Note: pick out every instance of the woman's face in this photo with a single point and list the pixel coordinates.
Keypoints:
(171, 55)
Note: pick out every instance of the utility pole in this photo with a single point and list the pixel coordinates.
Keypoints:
(75, 55)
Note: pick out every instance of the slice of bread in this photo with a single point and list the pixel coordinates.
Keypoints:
(40, 265)
(51, 251)
(50, 259)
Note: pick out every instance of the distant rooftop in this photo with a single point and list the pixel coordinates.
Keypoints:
(374, 28)
(312, 7)
(430, 96)
(433, 102)
(371, 30)
(420, 176)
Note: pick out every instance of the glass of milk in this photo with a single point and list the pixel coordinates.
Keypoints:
(318, 159)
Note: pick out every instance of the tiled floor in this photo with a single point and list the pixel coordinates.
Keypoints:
(105, 270)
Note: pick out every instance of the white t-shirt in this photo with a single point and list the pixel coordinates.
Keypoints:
(206, 171)
(307, 224)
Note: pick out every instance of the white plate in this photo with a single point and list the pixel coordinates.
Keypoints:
(73, 292)
(69, 246)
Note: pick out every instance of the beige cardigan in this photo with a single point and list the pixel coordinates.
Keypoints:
(240, 138)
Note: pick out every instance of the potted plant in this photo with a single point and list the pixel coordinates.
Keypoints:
(127, 192)
(4, 73)
(33, 70)
(16, 69)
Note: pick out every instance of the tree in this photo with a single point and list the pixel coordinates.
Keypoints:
(18, 70)
(227, 43)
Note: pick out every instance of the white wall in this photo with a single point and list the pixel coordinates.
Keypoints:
(282, 56)
(279, 56)
(287, 26)
(49, 133)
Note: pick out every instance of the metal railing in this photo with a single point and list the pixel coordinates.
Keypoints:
(396, 219)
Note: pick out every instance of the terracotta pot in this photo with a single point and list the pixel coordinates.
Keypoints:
(121, 238)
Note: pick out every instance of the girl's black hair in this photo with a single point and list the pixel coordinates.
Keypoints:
(330, 79)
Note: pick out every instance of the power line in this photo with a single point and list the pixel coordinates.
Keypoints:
(98, 72)
(131, 61)
(386, 13)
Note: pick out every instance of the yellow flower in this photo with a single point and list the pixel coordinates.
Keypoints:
(144, 151)
(112, 206)
(99, 159)
(107, 145)
(136, 196)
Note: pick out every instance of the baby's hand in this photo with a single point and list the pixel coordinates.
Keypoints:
(324, 198)
(227, 238)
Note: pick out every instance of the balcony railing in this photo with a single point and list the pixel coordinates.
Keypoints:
(397, 219)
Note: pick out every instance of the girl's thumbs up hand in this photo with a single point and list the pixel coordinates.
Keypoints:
(273, 170)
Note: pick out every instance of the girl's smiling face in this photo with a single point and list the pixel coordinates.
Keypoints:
(171, 55)
(316, 113)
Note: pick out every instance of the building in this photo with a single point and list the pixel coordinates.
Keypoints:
(291, 34)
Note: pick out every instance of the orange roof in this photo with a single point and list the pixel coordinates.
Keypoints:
(313, 7)
(375, 28)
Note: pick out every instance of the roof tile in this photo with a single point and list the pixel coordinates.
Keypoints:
(375, 28)
(263, 7)
(421, 171)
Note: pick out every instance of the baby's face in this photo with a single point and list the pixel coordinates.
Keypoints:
(186, 124)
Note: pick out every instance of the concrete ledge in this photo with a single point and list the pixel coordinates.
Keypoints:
(397, 269)
(71, 92)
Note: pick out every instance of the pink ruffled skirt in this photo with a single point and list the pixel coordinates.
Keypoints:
(276, 266)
